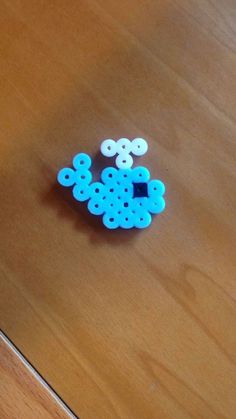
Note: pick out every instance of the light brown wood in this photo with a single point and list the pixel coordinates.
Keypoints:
(23, 392)
(123, 324)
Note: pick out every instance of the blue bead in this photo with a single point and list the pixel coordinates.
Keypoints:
(97, 189)
(112, 188)
(126, 203)
(82, 160)
(142, 219)
(125, 190)
(156, 187)
(111, 220)
(96, 206)
(141, 203)
(81, 192)
(112, 203)
(124, 176)
(109, 174)
(66, 177)
(156, 205)
(140, 174)
(126, 219)
(118, 199)
(83, 175)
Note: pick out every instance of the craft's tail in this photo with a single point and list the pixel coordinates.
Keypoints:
(79, 177)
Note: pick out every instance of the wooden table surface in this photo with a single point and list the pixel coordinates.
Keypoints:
(23, 393)
(131, 325)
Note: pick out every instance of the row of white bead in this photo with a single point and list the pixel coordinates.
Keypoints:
(123, 147)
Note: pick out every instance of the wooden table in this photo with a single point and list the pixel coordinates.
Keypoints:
(122, 324)
(23, 392)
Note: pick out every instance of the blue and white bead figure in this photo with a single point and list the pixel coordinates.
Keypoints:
(124, 197)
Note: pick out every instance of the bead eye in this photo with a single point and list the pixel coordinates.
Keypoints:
(140, 190)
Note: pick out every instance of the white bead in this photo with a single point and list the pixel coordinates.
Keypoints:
(124, 161)
(123, 145)
(108, 148)
(139, 146)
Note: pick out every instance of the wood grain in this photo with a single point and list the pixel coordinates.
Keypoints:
(123, 324)
(23, 393)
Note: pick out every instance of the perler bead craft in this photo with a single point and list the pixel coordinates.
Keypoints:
(125, 197)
